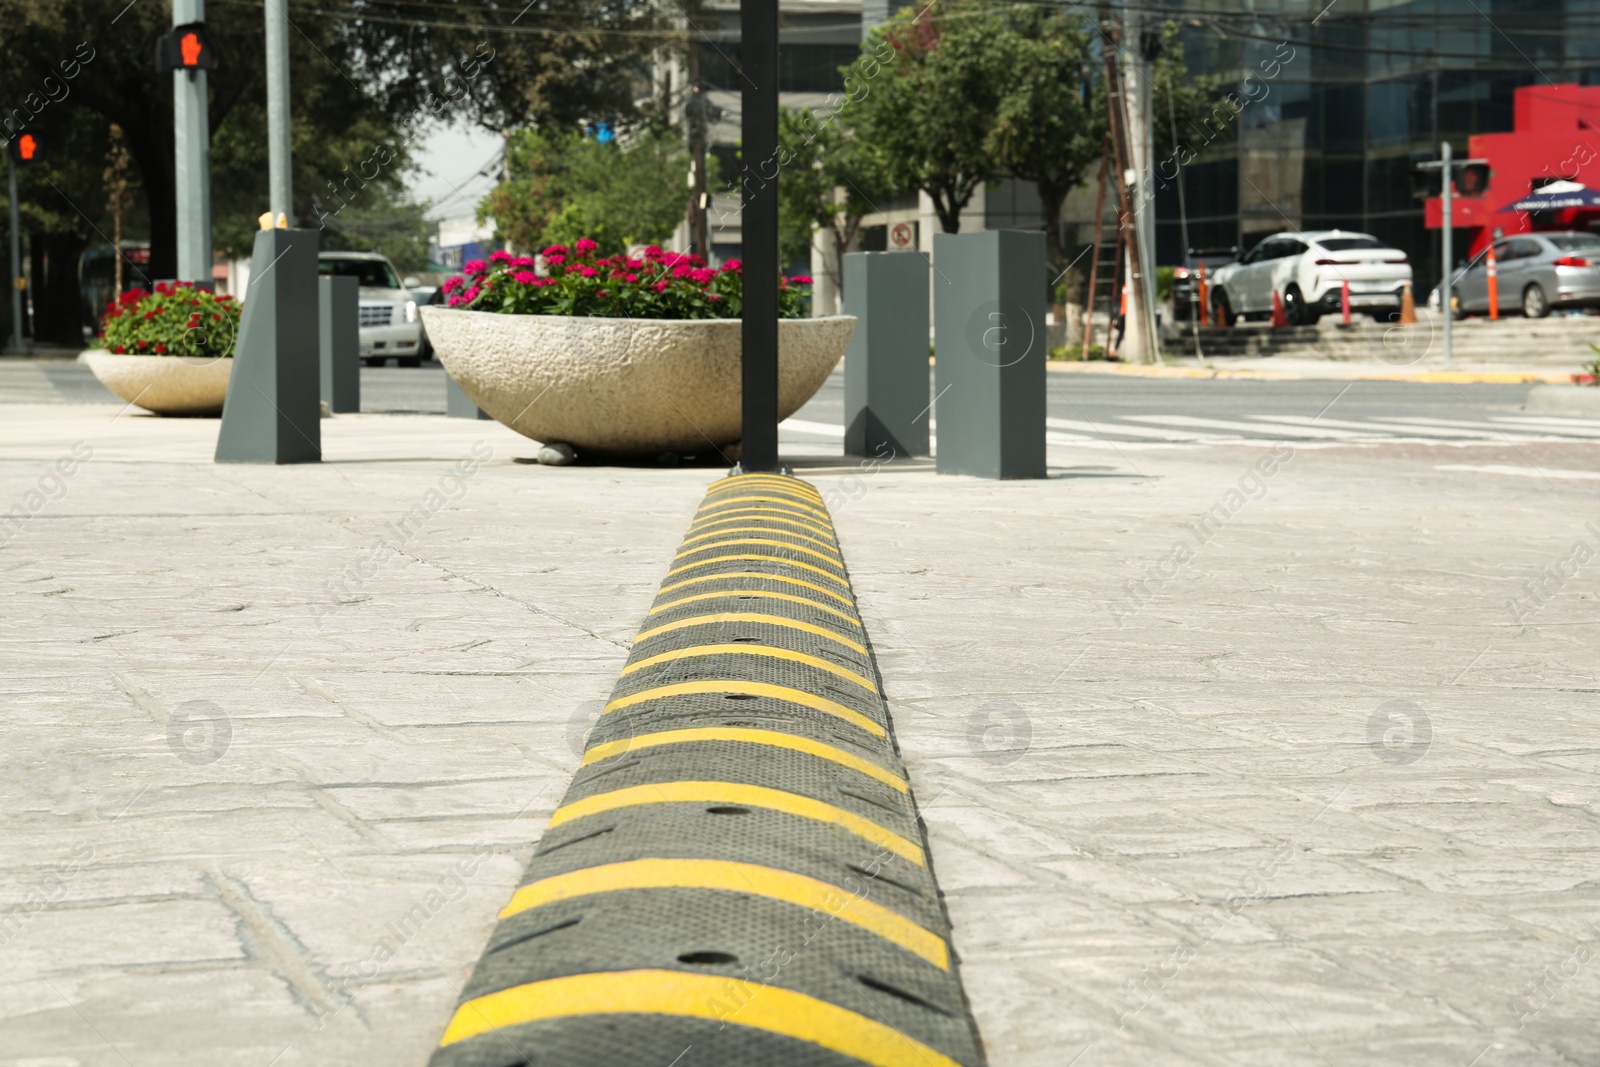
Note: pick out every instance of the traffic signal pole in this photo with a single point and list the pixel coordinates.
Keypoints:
(191, 126)
(280, 181)
(758, 35)
(16, 259)
(1447, 251)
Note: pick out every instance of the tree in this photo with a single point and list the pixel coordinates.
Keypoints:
(564, 186)
(828, 178)
(1050, 124)
(926, 90)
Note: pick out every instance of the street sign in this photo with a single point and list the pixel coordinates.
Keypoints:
(187, 47)
(902, 235)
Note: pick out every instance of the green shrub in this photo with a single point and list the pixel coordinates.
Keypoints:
(175, 320)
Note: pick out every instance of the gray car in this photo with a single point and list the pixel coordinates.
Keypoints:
(1535, 272)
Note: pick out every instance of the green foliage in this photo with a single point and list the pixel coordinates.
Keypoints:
(565, 187)
(579, 282)
(828, 178)
(1164, 279)
(175, 320)
(925, 93)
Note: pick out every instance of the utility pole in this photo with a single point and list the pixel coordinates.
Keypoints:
(1140, 49)
(1446, 240)
(697, 114)
(758, 222)
(1139, 341)
(279, 168)
(191, 127)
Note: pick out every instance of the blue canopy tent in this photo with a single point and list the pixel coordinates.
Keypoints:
(1557, 196)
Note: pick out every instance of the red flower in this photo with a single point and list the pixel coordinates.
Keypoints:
(525, 277)
(801, 279)
(588, 272)
(215, 317)
(148, 315)
(661, 286)
(452, 284)
(733, 266)
(554, 250)
(584, 245)
(499, 255)
(161, 350)
(121, 349)
(523, 261)
(474, 266)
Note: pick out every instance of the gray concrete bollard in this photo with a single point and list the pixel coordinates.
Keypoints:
(273, 411)
(989, 353)
(459, 405)
(886, 366)
(339, 331)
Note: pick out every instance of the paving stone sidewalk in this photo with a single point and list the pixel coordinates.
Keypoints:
(1219, 765)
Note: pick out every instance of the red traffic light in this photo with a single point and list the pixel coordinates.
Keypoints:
(27, 148)
(187, 47)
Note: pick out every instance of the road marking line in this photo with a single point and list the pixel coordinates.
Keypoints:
(764, 651)
(737, 794)
(1526, 472)
(1247, 427)
(1096, 428)
(1378, 431)
(750, 736)
(726, 875)
(751, 689)
(702, 996)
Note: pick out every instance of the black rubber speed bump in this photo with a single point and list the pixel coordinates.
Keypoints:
(737, 875)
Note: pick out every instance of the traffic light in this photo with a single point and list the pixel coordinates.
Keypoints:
(187, 47)
(26, 148)
(1473, 179)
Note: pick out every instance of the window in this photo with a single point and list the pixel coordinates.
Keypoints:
(1350, 244)
(1290, 248)
(1575, 242)
(373, 273)
(1523, 248)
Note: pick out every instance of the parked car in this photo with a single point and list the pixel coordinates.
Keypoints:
(390, 325)
(1535, 272)
(1308, 271)
(1186, 278)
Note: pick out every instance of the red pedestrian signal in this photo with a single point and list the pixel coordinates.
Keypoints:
(27, 148)
(187, 47)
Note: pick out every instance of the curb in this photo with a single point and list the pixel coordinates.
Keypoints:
(738, 865)
(1458, 377)
(1563, 400)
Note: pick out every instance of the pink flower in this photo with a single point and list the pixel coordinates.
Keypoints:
(499, 255)
(588, 272)
(801, 279)
(702, 275)
(733, 266)
(555, 259)
(681, 270)
(522, 261)
(474, 266)
(630, 277)
(713, 296)
(452, 284)
(584, 245)
(457, 301)
(471, 294)
(661, 286)
(525, 277)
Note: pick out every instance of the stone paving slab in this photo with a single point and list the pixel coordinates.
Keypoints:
(252, 816)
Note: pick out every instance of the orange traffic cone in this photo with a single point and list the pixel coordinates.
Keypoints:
(1408, 307)
(1279, 319)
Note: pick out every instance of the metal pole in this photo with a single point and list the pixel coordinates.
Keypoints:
(1447, 252)
(192, 142)
(758, 34)
(16, 259)
(280, 180)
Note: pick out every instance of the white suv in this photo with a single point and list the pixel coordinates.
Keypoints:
(1308, 272)
(390, 325)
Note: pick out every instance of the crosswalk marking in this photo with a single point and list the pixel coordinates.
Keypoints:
(1098, 428)
(1351, 424)
(1546, 424)
(1527, 472)
(1245, 427)
(1463, 427)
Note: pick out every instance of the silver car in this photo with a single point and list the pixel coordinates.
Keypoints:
(1535, 272)
(390, 325)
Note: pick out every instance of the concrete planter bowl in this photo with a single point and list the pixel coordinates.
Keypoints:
(624, 386)
(166, 385)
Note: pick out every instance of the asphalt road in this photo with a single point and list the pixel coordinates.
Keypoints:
(1084, 409)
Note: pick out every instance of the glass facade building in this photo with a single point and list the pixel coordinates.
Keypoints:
(1372, 88)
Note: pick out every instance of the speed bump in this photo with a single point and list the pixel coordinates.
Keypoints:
(738, 874)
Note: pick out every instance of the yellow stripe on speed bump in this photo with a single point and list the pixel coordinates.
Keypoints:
(765, 651)
(752, 689)
(737, 794)
(700, 996)
(749, 558)
(743, 594)
(758, 481)
(769, 531)
(764, 575)
(754, 617)
(786, 501)
(831, 558)
(788, 518)
(726, 875)
(750, 736)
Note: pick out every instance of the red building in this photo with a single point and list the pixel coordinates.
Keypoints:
(1556, 137)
